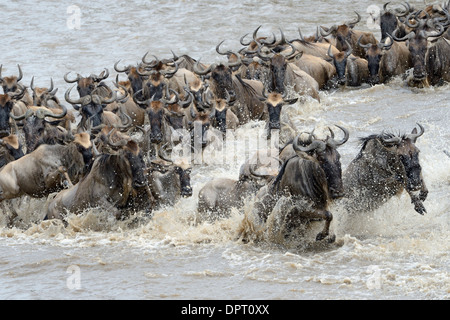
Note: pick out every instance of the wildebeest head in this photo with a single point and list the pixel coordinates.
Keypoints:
(35, 124)
(42, 95)
(91, 106)
(220, 76)
(200, 124)
(87, 85)
(158, 112)
(182, 169)
(340, 62)
(405, 151)
(277, 66)
(134, 77)
(343, 33)
(10, 84)
(129, 149)
(325, 151)
(274, 103)
(374, 53)
(158, 72)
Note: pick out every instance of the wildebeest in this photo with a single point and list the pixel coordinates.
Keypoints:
(169, 179)
(87, 85)
(389, 21)
(346, 36)
(47, 169)
(164, 116)
(10, 150)
(431, 62)
(113, 181)
(39, 125)
(386, 60)
(274, 103)
(222, 83)
(284, 75)
(350, 70)
(386, 165)
(304, 187)
(92, 108)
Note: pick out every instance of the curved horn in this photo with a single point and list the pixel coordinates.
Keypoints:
(406, 37)
(236, 63)
(139, 102)
(435, 34)
(150, 64)
(351, 24)
(120, 70)
(349, 50)
(258, 175)
(105, 73)
(241, 40)
(332, 142)
(409, 24)
(124, 98)
(393, 140)
(255, 32)
(329, 53)
(218, 49)
(48, 113)
(400, 13)
(111, 99)
(69, 100)
(186, 103)
(316, 144)
(71, 81)
(384, 46)
(169, 74)
(20, 76)
(330, 30)
(365, 46)
(171, 101)
(200, 71)
(293, 52)
(414, 135)
(27, 114)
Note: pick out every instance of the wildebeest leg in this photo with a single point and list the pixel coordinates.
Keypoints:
(323, 215)
(417, 201)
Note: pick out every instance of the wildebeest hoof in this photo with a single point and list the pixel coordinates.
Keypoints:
(321, 236)
(419, 207)
(331, 238)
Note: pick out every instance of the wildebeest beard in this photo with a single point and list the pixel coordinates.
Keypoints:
(223, 81)
(277, 74)
(137, 166)
(6, 106)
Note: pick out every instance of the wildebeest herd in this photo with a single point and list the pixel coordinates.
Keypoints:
(116, 155)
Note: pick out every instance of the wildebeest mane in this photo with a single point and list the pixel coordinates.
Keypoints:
(248, 89)
(383, 135)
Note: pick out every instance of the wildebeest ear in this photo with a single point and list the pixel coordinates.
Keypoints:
(133, 146)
